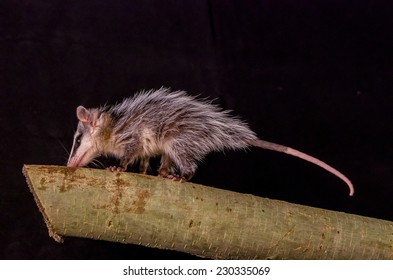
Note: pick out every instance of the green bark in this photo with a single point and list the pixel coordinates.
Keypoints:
(204, 221)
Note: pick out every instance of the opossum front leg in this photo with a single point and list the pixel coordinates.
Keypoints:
(144, 165)
(115, 169)
(124, 162)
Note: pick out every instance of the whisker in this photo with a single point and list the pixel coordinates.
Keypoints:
(64, 148)
(64, 161)
(98, 163)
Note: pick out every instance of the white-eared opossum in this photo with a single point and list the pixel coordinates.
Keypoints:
(176, 126)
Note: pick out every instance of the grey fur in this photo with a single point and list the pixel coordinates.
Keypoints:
(180, 128)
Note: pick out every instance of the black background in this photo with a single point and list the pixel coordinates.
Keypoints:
(313, 75)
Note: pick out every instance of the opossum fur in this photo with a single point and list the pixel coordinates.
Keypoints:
(172, 124)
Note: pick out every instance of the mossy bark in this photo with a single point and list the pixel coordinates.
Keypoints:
(204, 221)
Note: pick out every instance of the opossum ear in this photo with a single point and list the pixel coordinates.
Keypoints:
(83, 114)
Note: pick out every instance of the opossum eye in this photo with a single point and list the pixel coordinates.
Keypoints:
(78, 140)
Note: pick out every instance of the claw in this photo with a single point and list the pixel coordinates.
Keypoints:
(115, 169)
(174, 178)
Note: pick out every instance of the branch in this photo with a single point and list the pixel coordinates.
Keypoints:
(204, 221)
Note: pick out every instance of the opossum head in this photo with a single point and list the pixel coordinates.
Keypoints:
(87, 139)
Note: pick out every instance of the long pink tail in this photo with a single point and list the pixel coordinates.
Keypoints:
(280, 148)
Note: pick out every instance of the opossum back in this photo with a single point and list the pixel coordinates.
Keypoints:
(180, 115)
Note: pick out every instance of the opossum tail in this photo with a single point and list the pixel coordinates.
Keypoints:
(283, 149)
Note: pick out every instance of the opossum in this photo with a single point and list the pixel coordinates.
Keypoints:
(180, 128)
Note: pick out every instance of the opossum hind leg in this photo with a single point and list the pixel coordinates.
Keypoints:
(179, 170)
(166, 169)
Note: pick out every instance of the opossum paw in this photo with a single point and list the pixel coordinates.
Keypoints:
(173, 178)
(115, 169)
(169, 174)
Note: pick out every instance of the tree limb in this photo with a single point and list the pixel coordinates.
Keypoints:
(204, 221)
